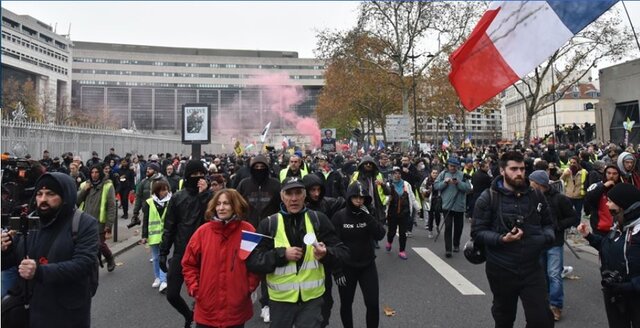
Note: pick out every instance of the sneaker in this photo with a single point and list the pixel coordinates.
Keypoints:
(156, 283)
(448, 254)
(430, 235)
(402, 255)
(163, 286)
(456, 249)
(426, 227)
(408, 234)
(566, 271)
(264, 314)
(557, 312)
(388, 247)
(111, 264)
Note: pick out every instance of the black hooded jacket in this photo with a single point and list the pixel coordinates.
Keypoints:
(564, 214)
(185, 213)
(593, 196)
(368, 181)
(62, 290)
(261, 193)
(358, 229)
(327, 205)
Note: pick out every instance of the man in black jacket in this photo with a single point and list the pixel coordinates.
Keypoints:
(513, 223)
(62, 287)
(331, 179)
(185, 213)
(480, 181)
(601, 219)
(329, 206)
(564, 216)
(288, 261)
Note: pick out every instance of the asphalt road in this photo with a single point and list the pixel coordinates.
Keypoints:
(420, 295)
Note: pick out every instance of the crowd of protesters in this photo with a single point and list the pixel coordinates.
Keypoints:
(187, 204)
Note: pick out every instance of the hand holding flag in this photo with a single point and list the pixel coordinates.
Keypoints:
(249, 242)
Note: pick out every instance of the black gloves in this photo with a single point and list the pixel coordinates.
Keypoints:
(162, 260)
(339, 278)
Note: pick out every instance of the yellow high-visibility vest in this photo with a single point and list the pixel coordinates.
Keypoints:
(103, 199)
(156, 223)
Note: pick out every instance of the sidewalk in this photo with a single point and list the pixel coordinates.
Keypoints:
(126, 238)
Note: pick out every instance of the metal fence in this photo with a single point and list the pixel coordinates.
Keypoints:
(23, 138)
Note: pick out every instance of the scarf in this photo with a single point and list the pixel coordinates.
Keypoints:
(161, 202)
(399, 185)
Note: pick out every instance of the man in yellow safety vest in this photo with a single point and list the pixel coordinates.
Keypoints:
(295, 169)
(293, 264)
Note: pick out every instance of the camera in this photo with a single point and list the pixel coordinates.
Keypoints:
(610, 278)
(513, 221)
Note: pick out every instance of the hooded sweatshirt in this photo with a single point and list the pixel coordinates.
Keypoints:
(327, 205)
(632, 176)
(357, 228)
(261, 191)
(596, 201)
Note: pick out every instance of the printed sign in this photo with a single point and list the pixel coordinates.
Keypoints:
(195, 124)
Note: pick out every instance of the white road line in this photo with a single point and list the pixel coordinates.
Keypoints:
(464, 286)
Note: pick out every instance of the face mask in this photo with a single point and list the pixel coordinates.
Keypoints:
(260, 175)
(192, 182)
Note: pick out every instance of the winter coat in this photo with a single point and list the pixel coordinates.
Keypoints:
(61, 289)
(263, 198)
(185, 213)
(358, 230)
(596, 201)
(574, 187)
(480, 181)
(489, 225)
(126, 183)
(563, 213)
(453, 195)
(368, 180)
(92, 200)
(265, 258)
(327, 205)
(333, 183)
(216, 276)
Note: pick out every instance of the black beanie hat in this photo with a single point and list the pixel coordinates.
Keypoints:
(49, 182)
(624, 195)
(193, 166)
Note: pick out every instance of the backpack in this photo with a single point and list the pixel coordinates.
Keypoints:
(94, 275)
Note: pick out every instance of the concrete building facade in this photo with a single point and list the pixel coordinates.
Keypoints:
(619, 100)
(146, 86)
(32, 50)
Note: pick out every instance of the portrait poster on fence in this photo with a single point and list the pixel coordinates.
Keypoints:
(195, 123)
(328, 141)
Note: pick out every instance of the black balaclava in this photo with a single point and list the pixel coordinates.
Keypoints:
(193, 166)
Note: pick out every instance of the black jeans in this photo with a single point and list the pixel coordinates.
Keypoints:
(624, 312)
(433, 215)
(174, 285)
(531, 287)
(327, 297)
(453, 224)
(368, 279)
(398, 223)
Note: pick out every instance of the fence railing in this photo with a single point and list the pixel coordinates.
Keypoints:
(33, 138)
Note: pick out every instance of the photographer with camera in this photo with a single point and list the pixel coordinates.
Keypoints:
(58, 262)
(513, 223)
(620, 256)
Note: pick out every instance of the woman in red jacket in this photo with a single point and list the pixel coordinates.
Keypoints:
(213, 272)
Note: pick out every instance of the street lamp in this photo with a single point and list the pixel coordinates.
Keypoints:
(413, 86)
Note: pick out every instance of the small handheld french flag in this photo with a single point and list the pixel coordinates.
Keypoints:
(249, 241)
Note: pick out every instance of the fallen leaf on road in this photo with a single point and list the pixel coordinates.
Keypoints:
(572, 277)
(119, 263)
(389, 312)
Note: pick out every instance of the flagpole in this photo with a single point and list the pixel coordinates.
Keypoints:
(635, 35)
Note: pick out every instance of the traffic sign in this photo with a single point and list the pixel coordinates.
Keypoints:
(398, 128)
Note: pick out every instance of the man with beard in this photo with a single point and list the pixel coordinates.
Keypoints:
(512, 222)
(296, 168)
(185, 213)
(627, 165)
(143, 190)
(620, 257)
(331, 179)
(61, 275)
(126, 185)
(97, 198)
(56, 166)
(574, 179)
(261, 192)
(174, 180)
(46, 160)
(596, 200)
(317, 201)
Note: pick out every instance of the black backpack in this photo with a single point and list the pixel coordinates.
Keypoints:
(94, 275)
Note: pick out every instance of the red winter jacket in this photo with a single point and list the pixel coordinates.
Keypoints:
(216, 277)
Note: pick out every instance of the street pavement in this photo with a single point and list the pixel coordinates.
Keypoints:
(427, 290)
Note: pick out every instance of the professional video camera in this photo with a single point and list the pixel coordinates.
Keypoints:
(18, 182)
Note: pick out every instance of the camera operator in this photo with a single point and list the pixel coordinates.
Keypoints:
(57, 266)
(620, 256)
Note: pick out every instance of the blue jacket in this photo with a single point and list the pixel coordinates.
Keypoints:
(61, 290)
(489, 225)
(454, 196)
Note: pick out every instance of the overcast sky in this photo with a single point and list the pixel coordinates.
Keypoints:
(288, 25)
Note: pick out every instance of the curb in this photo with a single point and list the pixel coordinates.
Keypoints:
(123, 246)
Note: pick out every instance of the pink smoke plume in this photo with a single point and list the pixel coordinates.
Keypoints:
(281, 97)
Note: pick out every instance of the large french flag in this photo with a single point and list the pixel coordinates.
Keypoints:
(511, 39)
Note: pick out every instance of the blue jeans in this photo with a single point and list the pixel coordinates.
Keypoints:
(155, 253)
(553, 261)
(9, 278)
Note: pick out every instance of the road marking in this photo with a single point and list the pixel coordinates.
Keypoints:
(464, 286)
